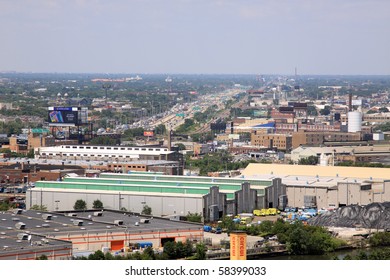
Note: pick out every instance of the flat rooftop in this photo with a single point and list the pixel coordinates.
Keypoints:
(60, 224)
(280, 170)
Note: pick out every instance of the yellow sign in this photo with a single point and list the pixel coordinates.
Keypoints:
(238, 246)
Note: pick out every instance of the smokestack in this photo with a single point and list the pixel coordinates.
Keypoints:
(350, 102)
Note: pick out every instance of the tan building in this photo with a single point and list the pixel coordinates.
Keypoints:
(280, 141)
(332, 155)
(37, 140)
(319, 138)
(376, 118)
(326, 186)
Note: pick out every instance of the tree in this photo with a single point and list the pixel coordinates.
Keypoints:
(297, 240)
(98, 255)
(170, 250)
(4, 206)
(325, 111)
(383, 110)
(80, 205)
(200, 252)
(103, 140)
(312, 110)
(38, 207)
(311, 160)
(228, 224)
(42, 257)
(160, 129)
(146, 210)
(181, 146)
(194, 217)
(97, 204)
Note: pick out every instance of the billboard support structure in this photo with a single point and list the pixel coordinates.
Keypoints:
(60, 118)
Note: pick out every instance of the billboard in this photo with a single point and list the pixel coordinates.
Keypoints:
(67, 116)
(148, 133)
(357, 102)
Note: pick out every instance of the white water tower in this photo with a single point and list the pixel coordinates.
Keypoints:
(354, 121)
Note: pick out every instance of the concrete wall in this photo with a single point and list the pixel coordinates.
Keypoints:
(346, 193)
(246, 199)
(215, 205)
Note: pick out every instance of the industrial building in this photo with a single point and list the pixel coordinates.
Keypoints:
(355, 154)
(30, 234)
(22, 237)
(166, 195)
(117, 158)
(107, 153)
(279, 141)
(326, 186)
(320, 138)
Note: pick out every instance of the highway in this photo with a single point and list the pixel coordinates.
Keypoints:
(180, 112)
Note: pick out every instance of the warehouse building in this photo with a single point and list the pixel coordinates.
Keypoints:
(22, 238)
(355, 154)
(166, 195)
(118, 153)
(62, 235)
(326, 186)
(116, 158)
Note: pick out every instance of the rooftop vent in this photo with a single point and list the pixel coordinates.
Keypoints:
(20, 225)
(78, 222)
(47, 216)
(18, 211)
(118, 222)
(98, 214)
(22, 236)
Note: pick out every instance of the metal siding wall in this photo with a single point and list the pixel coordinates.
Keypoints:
(160, 205)
(333, 198)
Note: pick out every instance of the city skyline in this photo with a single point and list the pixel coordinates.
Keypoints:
(196, 37)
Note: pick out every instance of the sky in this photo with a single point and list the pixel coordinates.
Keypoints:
(316, 37)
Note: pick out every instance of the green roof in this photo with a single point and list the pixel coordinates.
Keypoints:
(39, 130)
(128, 187)
(155, 183)
(147, 176)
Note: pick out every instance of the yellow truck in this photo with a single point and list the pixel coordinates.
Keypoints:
(260, 212)
(245, 220)
(273, 211)
(266, 212)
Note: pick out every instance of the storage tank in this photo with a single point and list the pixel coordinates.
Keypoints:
(379, 136)
(354, 121)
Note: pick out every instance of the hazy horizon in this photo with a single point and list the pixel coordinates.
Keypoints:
(196, 37)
